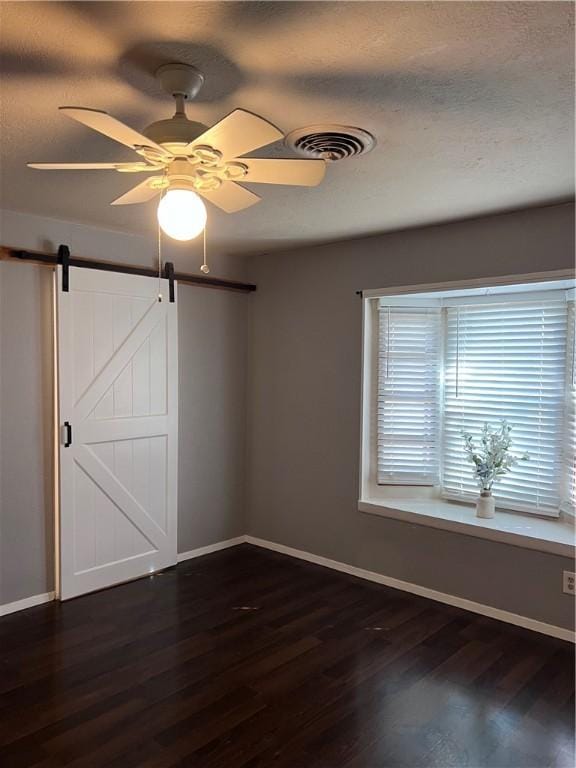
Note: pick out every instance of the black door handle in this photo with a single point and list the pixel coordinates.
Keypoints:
(68, 439)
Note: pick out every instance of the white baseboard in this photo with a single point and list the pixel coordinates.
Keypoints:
(416, 589)
(30, 602)
(209, 548)
(378, 578)
(27, 602)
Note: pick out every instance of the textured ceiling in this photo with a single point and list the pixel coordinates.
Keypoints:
(471, 103)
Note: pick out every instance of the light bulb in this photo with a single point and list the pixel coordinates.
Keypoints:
(181, 214)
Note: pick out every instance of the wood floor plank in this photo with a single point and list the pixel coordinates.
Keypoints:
(250, 659)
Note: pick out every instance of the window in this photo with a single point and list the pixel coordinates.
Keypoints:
(448, 362)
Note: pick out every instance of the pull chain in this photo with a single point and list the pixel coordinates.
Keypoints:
(159, 263)
(162, 193)
(205, 268)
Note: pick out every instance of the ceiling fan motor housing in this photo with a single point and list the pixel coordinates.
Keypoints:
(175, 132)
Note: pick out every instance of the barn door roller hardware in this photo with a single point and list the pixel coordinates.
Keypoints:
(63, 257)
(169, 275)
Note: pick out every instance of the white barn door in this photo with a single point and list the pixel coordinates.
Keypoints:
(118, 414)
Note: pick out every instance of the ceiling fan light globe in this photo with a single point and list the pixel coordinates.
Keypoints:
(181, 214)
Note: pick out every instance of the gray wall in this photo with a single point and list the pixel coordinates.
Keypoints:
(212, 357)
(26, 466)
(304, 405)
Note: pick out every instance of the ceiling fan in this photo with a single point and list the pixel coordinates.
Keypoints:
(188, 159)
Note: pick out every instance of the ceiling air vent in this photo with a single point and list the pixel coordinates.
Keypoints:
(330, 142)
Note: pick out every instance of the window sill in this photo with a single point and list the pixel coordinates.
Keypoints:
(545, 535)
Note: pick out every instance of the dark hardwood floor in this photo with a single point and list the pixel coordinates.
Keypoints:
(248, 659)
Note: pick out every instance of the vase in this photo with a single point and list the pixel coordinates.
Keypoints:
(485, 505)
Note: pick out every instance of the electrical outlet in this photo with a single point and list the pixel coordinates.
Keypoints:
(569, 582)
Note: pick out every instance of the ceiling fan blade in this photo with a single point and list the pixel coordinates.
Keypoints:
(141, 193)
(104, 123)
(92, 166)
(237, 133)
(302, 173)
(230, 197)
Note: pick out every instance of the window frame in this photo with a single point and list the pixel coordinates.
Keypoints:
(369, 489)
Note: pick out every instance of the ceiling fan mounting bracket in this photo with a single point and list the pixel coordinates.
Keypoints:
(180, 79)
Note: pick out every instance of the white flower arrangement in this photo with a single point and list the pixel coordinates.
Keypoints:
(493, 458)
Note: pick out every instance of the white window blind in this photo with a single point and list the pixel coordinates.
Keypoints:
(507, 361)
(569, 502)
(408, 395)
